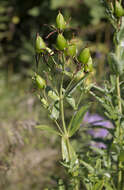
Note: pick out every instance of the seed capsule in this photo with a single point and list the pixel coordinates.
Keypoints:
(60, 22)
(84, 56)
(40, 82)
(40, 45)
(119, 11)
(71, 50)
(61, 42)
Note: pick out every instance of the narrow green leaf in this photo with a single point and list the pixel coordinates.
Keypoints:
(98, 186)
(70, 91)
(108, 186)
(117, 65)
(88, 166)
(55, 111)
(76, 120)
(113, 62)
(48, 129)
(98, 151)
(71, 101)
(65, 155)
(120, 34)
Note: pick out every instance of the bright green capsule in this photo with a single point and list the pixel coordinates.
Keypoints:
(61, 42)
(71, 50)
(84, 56)
(60, 22)
(40, 45)
(40, 82)
(119, 11)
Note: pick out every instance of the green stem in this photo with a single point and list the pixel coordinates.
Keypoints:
(119, 95)
(120, 135)
(69, 84)
(61, 105)
(119, 126)
(59, 128)
(80, 98)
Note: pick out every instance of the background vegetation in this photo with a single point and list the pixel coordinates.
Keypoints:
(28, 158)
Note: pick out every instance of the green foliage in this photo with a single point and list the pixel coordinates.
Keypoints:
(67, 88)
(76, 120)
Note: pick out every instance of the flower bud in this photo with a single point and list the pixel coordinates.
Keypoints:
(60, 22)
(71, 50)
(119, 11)
(84, 56)
(40, 45)
(61, 42)
(40, 82)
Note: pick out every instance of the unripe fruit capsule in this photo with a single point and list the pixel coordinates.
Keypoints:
(71, 50)
(84, 56)
(40, 82)
(61, 42)
(119, 11)
(40, 45)
(60, 22)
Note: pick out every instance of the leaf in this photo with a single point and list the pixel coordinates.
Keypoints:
(65, 155)
(98, 151)
(108, 186)
(114, 62)
(71, 101)
(68, 152)
(70, 91)
(98, 186)
(55, 111)
(88, 166)
(120, 35)
(48, 129)
(116, 65)
(76, 120)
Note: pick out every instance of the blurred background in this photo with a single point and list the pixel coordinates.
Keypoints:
(29, 158)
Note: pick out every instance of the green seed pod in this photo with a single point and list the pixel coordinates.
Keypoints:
(119, 11)
(61, 42)
(71, 50)
(40, 82)
(60, 22)
(40, 45)
(89, 66)
(84, 56)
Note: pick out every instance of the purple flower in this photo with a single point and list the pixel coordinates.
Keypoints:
(93, 120)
